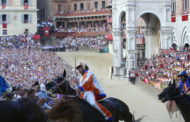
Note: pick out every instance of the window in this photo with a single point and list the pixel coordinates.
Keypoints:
(59, 8)
(173, 7)
(26, 31)
(4, 2)
(88, 6)
(81, 6)
(4, 18)
(185, 5)
(42, 13)
(4, 32)
(26, 18)
(103, 4)
(25, 2)
(75, 7)
(96, 5)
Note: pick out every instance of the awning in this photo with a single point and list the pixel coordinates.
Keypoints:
(109, 37)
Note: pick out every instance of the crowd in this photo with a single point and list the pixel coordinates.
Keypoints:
(161, 69)
(27, 70)
(25, 66)
(19, 42)
(81, 29)
(83, 11)
(92, 42)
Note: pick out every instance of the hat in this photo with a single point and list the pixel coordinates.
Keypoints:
(183, 73)
(81, 64)
(42, 87)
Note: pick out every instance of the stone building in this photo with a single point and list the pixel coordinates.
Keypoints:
(80, 13)
(180, 22)
(17, 17)
(151, 18)
(44, 10)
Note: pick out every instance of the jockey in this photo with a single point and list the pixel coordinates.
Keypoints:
(90, 90)
(184, 84)
(3, 85)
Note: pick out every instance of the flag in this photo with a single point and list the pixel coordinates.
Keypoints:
(46, 31)
(146, 81)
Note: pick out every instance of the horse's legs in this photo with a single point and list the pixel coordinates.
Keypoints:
(129, 117)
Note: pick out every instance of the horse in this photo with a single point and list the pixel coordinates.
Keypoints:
(172, 92)
(73, 108)
(21, 110)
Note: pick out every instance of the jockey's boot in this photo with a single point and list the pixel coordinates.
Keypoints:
(110, 119)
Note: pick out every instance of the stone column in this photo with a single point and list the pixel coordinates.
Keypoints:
(131, 47)
(166, 37)
(150, 42)
(117, 43)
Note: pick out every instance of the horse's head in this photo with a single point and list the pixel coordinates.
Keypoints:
(169, 93)
(60, 85)
(54, 85)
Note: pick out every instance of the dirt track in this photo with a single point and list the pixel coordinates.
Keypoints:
(141, 99)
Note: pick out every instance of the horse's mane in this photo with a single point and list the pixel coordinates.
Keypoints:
(66, 109)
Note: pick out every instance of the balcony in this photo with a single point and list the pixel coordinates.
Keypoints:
(83, 13)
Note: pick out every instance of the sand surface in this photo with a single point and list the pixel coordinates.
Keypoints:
(141, 99)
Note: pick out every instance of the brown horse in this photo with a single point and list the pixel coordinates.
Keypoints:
(73, 108)
(21, 110)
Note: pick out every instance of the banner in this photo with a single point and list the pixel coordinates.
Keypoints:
(146, 81)
(26, 6)
(109, 19)
(46, 31)
(36, 37)
(4, 25)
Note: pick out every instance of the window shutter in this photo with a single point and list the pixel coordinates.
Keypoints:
(1, 19)
(22, 2)
(30, 18)
(8, 2)
(22, 18)
(8, 19)
(29, 2)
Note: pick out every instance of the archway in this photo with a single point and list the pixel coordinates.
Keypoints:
(174, 46)
(140, 41)
(150, 30)
(186, 46)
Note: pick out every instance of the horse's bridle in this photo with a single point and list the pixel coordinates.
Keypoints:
(66, 89)
(59, 84)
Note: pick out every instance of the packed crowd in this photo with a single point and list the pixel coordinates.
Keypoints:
(83, 11)
(81, 29)
(92, 42)
(25, 66)
(19, 42)
(22, 68)
(162, 68)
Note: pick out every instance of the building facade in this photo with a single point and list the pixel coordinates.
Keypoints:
(18, 17)
(156, 30)
(45, 12)
(80, 13)
(180, 20)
